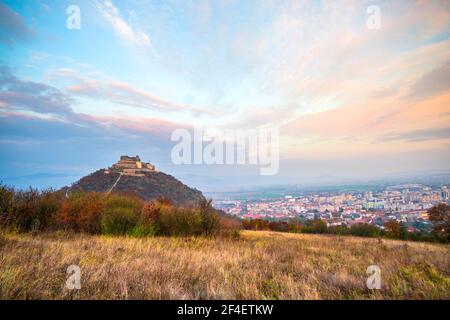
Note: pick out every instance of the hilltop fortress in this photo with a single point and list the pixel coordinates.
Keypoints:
(131, 166)
(130, 175)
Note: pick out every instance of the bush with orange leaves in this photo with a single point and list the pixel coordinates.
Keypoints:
(256, 224)
(393, 228)
(81, 212)
(151, 212)
(230, 223)
(27, 210)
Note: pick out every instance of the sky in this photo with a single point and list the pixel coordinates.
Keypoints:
(351, 102)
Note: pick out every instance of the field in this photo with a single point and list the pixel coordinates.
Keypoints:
(257, 265)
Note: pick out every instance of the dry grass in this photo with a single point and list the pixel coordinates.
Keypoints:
(258, 265)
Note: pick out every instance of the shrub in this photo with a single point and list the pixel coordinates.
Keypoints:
(124, 201)
(440, 216)
(393, 229)
(315, 226)
(280, 226)
(49, 203)
(81, 212)
(151, 213)
(339, 230)
(170, 220)
(294, 226)
(29, 210)
(176, 221)
(365, 230)
(143, 230)
(23, 213)
(6, 206)
(118, 221)
(209, 219)
(229, 223)
(256, 224)
(121, 214)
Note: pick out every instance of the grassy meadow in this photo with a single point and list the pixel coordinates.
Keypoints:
(255, 265)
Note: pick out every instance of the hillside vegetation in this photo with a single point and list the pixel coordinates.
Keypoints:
(255, 265)
(102, 213)
(148, 187)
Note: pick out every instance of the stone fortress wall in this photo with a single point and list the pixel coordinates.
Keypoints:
(131, 166)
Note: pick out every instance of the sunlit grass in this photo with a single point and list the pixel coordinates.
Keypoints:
(258, 265)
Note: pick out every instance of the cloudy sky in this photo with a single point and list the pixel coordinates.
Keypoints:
(351, 102)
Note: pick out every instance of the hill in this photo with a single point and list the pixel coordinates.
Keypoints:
(257, 265)
(137, 178)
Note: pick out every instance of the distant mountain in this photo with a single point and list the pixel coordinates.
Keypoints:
(132, 176)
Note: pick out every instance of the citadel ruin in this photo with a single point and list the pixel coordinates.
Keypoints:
(131, 166)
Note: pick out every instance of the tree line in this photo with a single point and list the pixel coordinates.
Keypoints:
(439, 215)
(98, 213)
(120, 214)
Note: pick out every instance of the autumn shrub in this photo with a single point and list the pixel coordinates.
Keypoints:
(209, 220)
(81, 212)
(280, 226)
(23, 214)
(6, 206)
(176, 221)
(294, 227)
(440, 216)
(229, 223)
(148, 220)
(150, 213)
(170, 220)
(48, 206)
(393, 229)
(256, 224)
(27, 210)
(229, 227)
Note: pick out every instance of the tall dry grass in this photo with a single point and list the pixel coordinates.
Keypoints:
(257, 265)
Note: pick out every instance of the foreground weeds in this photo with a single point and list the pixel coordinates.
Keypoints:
(254, 265)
